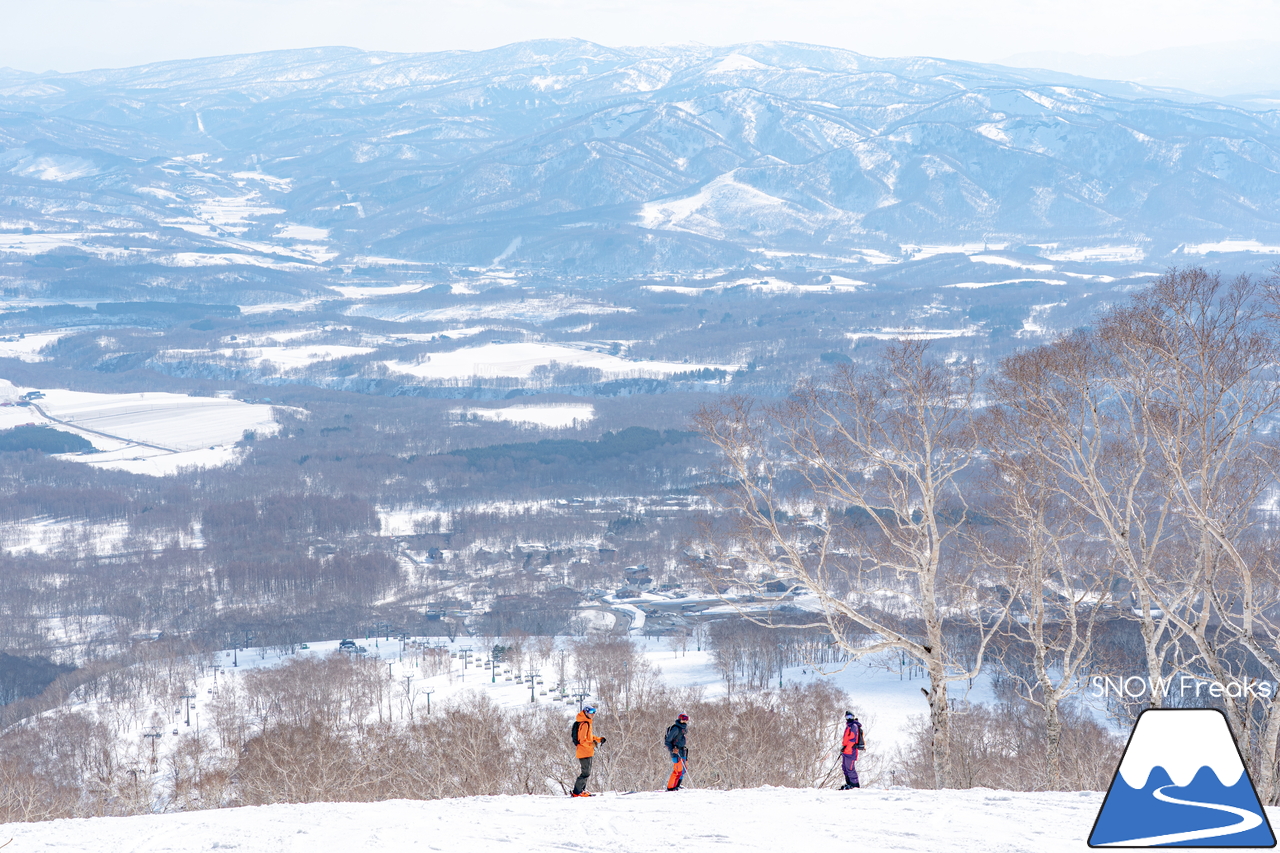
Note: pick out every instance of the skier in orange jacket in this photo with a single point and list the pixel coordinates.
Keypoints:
(585, 741)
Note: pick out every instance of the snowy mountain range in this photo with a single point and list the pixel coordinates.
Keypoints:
(571, 157)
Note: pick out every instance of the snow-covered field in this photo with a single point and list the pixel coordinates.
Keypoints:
(1087, 254)
(914, 334)
(834, 284)
(146, 433)
(155, 463)
(174, 420)
(776, 820)
(532, 310)
(550, 415)
(283, 357)
(27, 348)
(973, 285)
(519, 360)
(42, 535)
(371, 291)
(1252, 246)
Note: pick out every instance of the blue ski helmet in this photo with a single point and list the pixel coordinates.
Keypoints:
(589, 709)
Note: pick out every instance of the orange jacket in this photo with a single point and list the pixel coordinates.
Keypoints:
(586, 740)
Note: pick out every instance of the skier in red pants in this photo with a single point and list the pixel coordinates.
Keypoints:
(849, 746)
(677, 746)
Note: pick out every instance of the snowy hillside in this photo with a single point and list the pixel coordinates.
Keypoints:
(570, 156)
(768, 820)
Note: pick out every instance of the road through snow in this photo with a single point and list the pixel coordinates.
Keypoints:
(768, 820)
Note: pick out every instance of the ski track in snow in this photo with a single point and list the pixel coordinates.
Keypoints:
(692, 821)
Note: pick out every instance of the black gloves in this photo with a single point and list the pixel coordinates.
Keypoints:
(603, 739)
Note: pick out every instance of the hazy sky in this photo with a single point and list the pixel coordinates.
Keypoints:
(71, 35)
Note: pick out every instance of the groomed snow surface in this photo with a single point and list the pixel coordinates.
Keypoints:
(769, 820)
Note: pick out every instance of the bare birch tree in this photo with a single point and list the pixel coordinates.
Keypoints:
(1199, 358)
(1060, 588)
(850, 488)
(1058, 404)
(1155, 423)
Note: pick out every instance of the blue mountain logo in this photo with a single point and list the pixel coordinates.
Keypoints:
(1181, 783)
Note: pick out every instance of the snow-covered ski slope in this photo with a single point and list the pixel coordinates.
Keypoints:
(776, 820)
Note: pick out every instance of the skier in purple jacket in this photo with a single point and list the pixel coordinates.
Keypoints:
(849, 746)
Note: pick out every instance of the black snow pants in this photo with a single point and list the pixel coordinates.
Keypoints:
(581, 785)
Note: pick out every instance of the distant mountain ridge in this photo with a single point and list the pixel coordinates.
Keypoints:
(576, 158)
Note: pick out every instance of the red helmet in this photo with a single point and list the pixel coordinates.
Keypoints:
(684, 718)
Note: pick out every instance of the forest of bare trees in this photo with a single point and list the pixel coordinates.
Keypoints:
(340, 729)
(1101, 505)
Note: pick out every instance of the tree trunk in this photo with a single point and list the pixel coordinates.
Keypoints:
(940, 722)
(1052, 742)
(1265, 766)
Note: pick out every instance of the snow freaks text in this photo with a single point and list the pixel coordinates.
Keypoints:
(1137, 686)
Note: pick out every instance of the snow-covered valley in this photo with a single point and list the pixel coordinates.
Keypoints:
(445, 373)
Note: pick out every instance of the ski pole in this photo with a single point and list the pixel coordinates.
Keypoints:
(834, 768)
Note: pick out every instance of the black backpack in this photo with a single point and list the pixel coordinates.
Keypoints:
(862, 735)
(573, 732)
